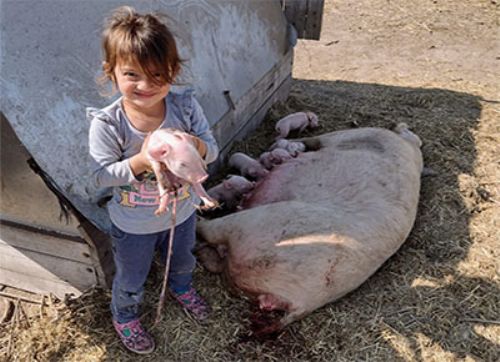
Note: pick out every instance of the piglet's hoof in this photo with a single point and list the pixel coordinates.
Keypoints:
(160, 211)
(210, 204)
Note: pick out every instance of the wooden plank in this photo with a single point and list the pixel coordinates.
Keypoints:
(101, 253)
(306, 16)
(314, 18)
(58, 246)
(295, 12)
(47, 267)
(233, 125)
(37, 285)
(280, 95)
(98, 242)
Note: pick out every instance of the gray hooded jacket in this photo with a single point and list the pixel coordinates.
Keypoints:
(113, 140)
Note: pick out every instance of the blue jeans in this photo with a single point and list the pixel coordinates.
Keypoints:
(133, 255)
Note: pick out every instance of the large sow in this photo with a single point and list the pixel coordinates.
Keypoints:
(318, 225)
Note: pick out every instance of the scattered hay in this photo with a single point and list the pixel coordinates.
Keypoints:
(436, 299)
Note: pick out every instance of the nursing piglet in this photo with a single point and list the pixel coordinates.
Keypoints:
(230, 191)
(292, 147)
(247, 166)
(176, 162)
(299, 120)
(274, 157)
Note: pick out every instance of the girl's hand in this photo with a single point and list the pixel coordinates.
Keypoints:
(139, 163)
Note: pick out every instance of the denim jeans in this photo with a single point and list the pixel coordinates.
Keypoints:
(133, 255)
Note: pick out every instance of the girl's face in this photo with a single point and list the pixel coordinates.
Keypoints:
(137, 89)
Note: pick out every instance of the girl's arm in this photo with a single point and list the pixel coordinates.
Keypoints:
(139, 163)
(109, 168)
(201, 129)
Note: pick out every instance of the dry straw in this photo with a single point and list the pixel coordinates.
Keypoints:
(438, 293)
(436, 299)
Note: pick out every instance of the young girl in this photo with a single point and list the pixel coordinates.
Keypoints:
(141, 61)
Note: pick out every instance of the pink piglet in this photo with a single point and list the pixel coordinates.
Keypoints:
(247, 166)
(176, 162)
(294, 121)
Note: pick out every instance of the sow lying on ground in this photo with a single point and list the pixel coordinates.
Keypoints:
(318, 225)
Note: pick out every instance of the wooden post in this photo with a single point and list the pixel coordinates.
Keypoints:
(306, 16)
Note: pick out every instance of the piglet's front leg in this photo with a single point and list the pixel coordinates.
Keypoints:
(164, 199)
(208, 202)
(162, 181)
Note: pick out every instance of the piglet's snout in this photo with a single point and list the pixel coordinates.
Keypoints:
(191, 169)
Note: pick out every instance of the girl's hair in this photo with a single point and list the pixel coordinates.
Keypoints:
(143, 39)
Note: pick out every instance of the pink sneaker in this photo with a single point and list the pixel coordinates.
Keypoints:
(134, 337)
(193, 303)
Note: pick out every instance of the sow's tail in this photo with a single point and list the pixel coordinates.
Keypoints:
(403, 130)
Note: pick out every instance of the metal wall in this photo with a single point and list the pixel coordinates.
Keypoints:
(50, 58)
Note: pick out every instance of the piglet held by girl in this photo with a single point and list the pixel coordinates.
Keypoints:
(176, 162)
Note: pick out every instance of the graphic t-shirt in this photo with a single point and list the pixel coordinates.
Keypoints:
(113, 140)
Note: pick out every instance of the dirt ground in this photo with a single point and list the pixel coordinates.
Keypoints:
(434, 64)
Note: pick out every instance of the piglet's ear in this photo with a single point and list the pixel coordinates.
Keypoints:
(227, 185)
(159, 152)
(185, 137)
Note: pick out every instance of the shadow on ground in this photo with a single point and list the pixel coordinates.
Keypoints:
(429, 301)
